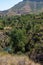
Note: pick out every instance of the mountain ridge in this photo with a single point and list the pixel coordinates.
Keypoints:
(24, 7)
(33, 0)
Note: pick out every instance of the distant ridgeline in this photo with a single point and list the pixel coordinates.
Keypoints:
(25, 7)
(33, 0)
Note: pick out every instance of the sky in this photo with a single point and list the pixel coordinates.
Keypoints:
(6, 4)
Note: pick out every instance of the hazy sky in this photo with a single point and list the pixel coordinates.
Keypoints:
(6, 4)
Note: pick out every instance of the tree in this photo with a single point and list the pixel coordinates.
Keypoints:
(18, 40)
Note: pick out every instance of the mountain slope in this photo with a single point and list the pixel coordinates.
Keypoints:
(25, 7)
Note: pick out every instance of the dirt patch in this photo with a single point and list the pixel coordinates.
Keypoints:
(16, 60)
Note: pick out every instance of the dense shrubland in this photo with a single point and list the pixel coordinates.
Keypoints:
(22, 34)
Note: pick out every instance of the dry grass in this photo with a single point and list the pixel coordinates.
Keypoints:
(7, 59)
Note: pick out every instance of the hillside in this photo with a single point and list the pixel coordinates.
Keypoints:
(22, 34)
(21, 37)
(25, 7)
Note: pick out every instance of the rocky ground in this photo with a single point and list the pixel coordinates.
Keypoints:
(7, 59)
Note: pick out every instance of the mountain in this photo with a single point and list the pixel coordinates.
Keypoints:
(33, 0)
(25, 7)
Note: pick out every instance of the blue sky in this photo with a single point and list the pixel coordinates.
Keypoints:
(6, 4)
